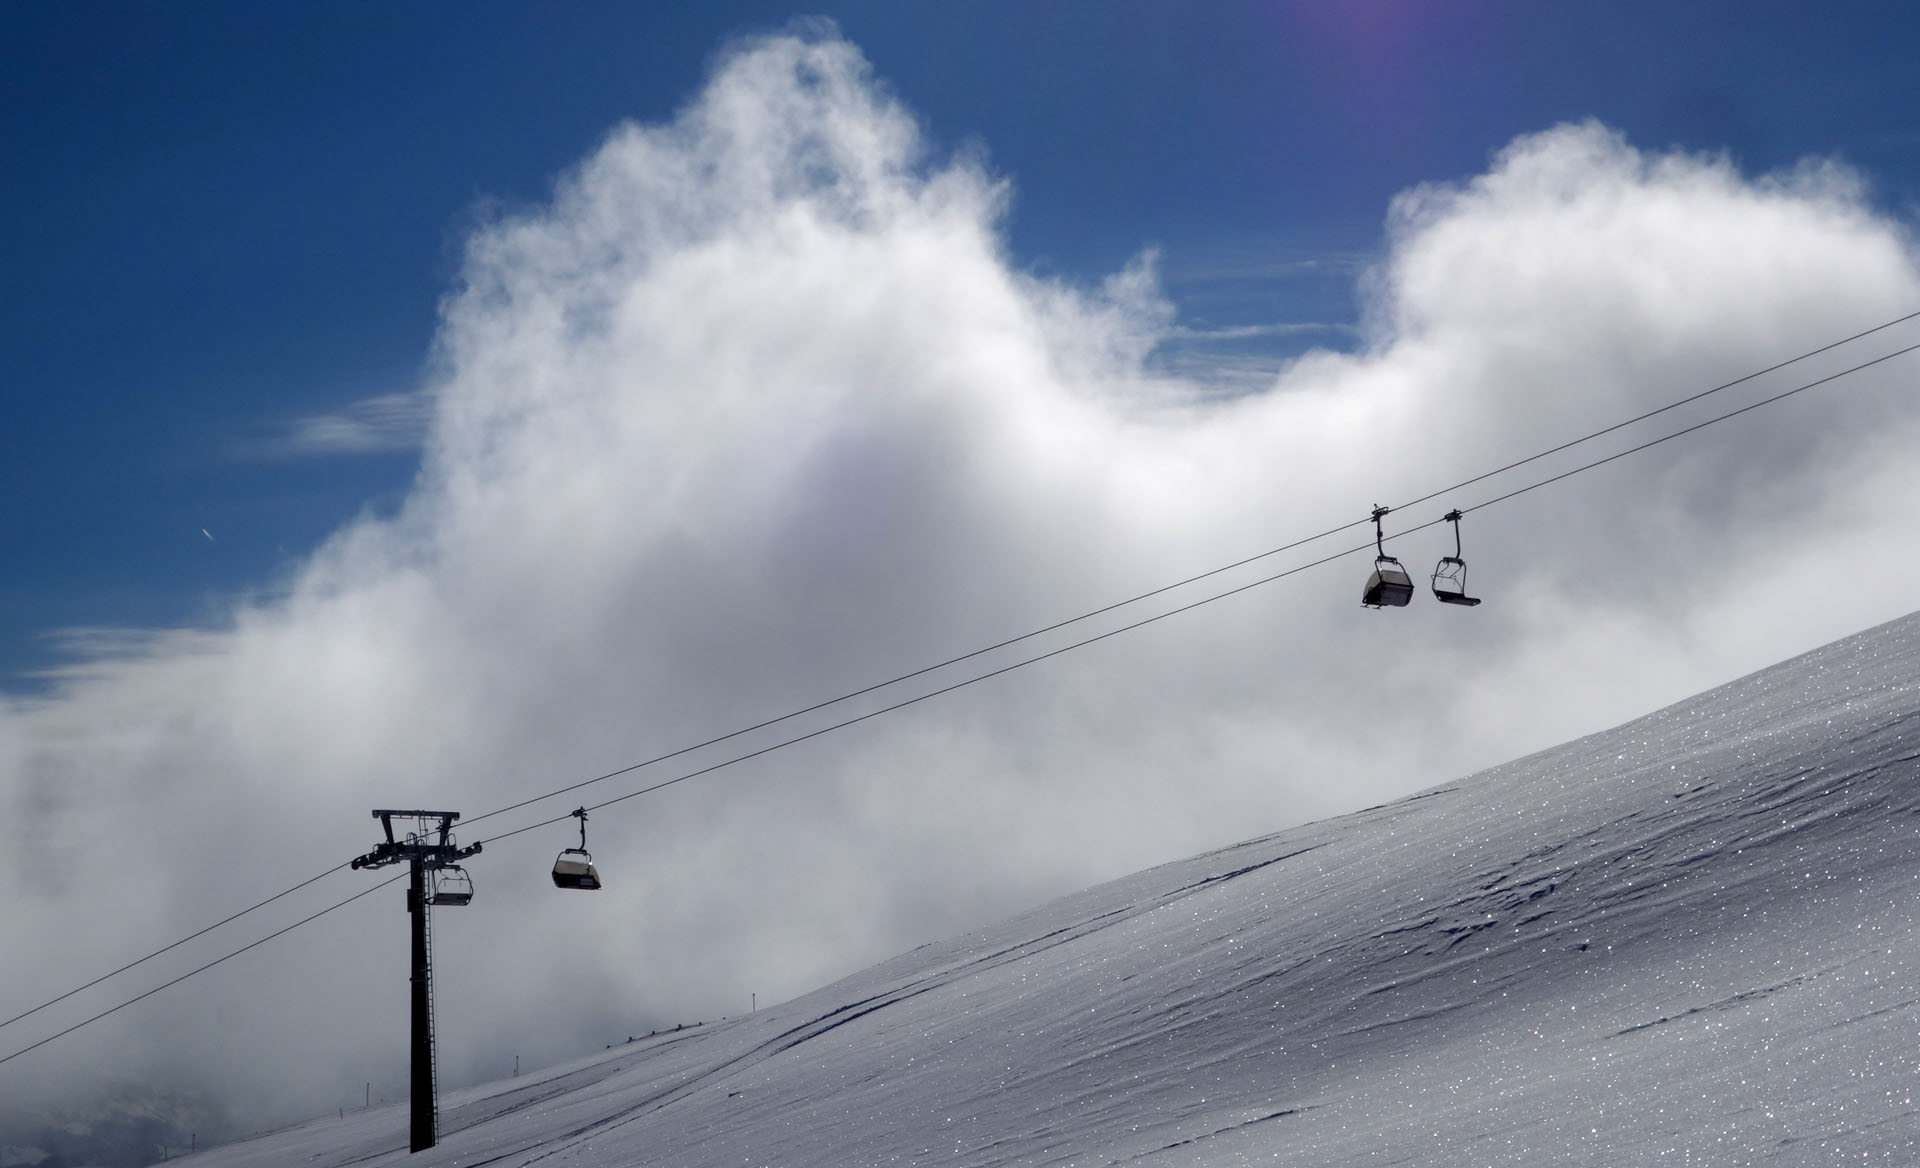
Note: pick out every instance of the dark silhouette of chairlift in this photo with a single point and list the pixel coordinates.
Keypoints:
(452, 886)
(1389, 584)
(574, 868)
(1450, 574)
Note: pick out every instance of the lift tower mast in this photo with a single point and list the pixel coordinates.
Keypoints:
(430, 851)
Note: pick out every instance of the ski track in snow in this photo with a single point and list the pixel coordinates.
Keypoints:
(1685, 940)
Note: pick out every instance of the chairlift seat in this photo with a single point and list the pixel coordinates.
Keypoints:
(574, 869)
(1389, 585)
(1450, 582)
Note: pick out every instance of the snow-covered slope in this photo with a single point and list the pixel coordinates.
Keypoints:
(1686, 940)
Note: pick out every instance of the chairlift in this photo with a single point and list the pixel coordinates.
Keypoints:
(1450, 574)
(573, 868)
(451, 886)
(1389, 584)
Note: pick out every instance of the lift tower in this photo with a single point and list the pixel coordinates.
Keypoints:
(433, 855)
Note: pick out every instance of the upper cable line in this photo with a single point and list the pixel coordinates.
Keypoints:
(1450, 517)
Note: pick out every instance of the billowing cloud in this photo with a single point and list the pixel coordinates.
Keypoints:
(758, 411)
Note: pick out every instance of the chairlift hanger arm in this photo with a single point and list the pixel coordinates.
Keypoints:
(1453, 517)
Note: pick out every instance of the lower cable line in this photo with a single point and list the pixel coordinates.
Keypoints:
(1765, 401)
(202, 969)
(962, 684)
(947, 689)
(170, 948)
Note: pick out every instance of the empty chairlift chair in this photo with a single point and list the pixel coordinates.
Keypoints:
(573, 868)
(452, 886)
(1450, 574)
(1389, 585)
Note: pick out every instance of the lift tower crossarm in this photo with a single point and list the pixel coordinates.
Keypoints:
(416, 845)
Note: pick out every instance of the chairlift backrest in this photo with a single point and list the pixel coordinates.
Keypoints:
(574, 868)
(1389, 585)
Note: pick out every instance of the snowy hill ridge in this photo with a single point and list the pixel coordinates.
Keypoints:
(1686, 940)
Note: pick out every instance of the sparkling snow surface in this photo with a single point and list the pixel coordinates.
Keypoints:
(1688, 940)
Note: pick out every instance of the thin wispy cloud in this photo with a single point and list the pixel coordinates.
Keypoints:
(384, 424)
(1258, 332)
(1254, 263)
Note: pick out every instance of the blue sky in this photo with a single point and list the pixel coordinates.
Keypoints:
(223, 218)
